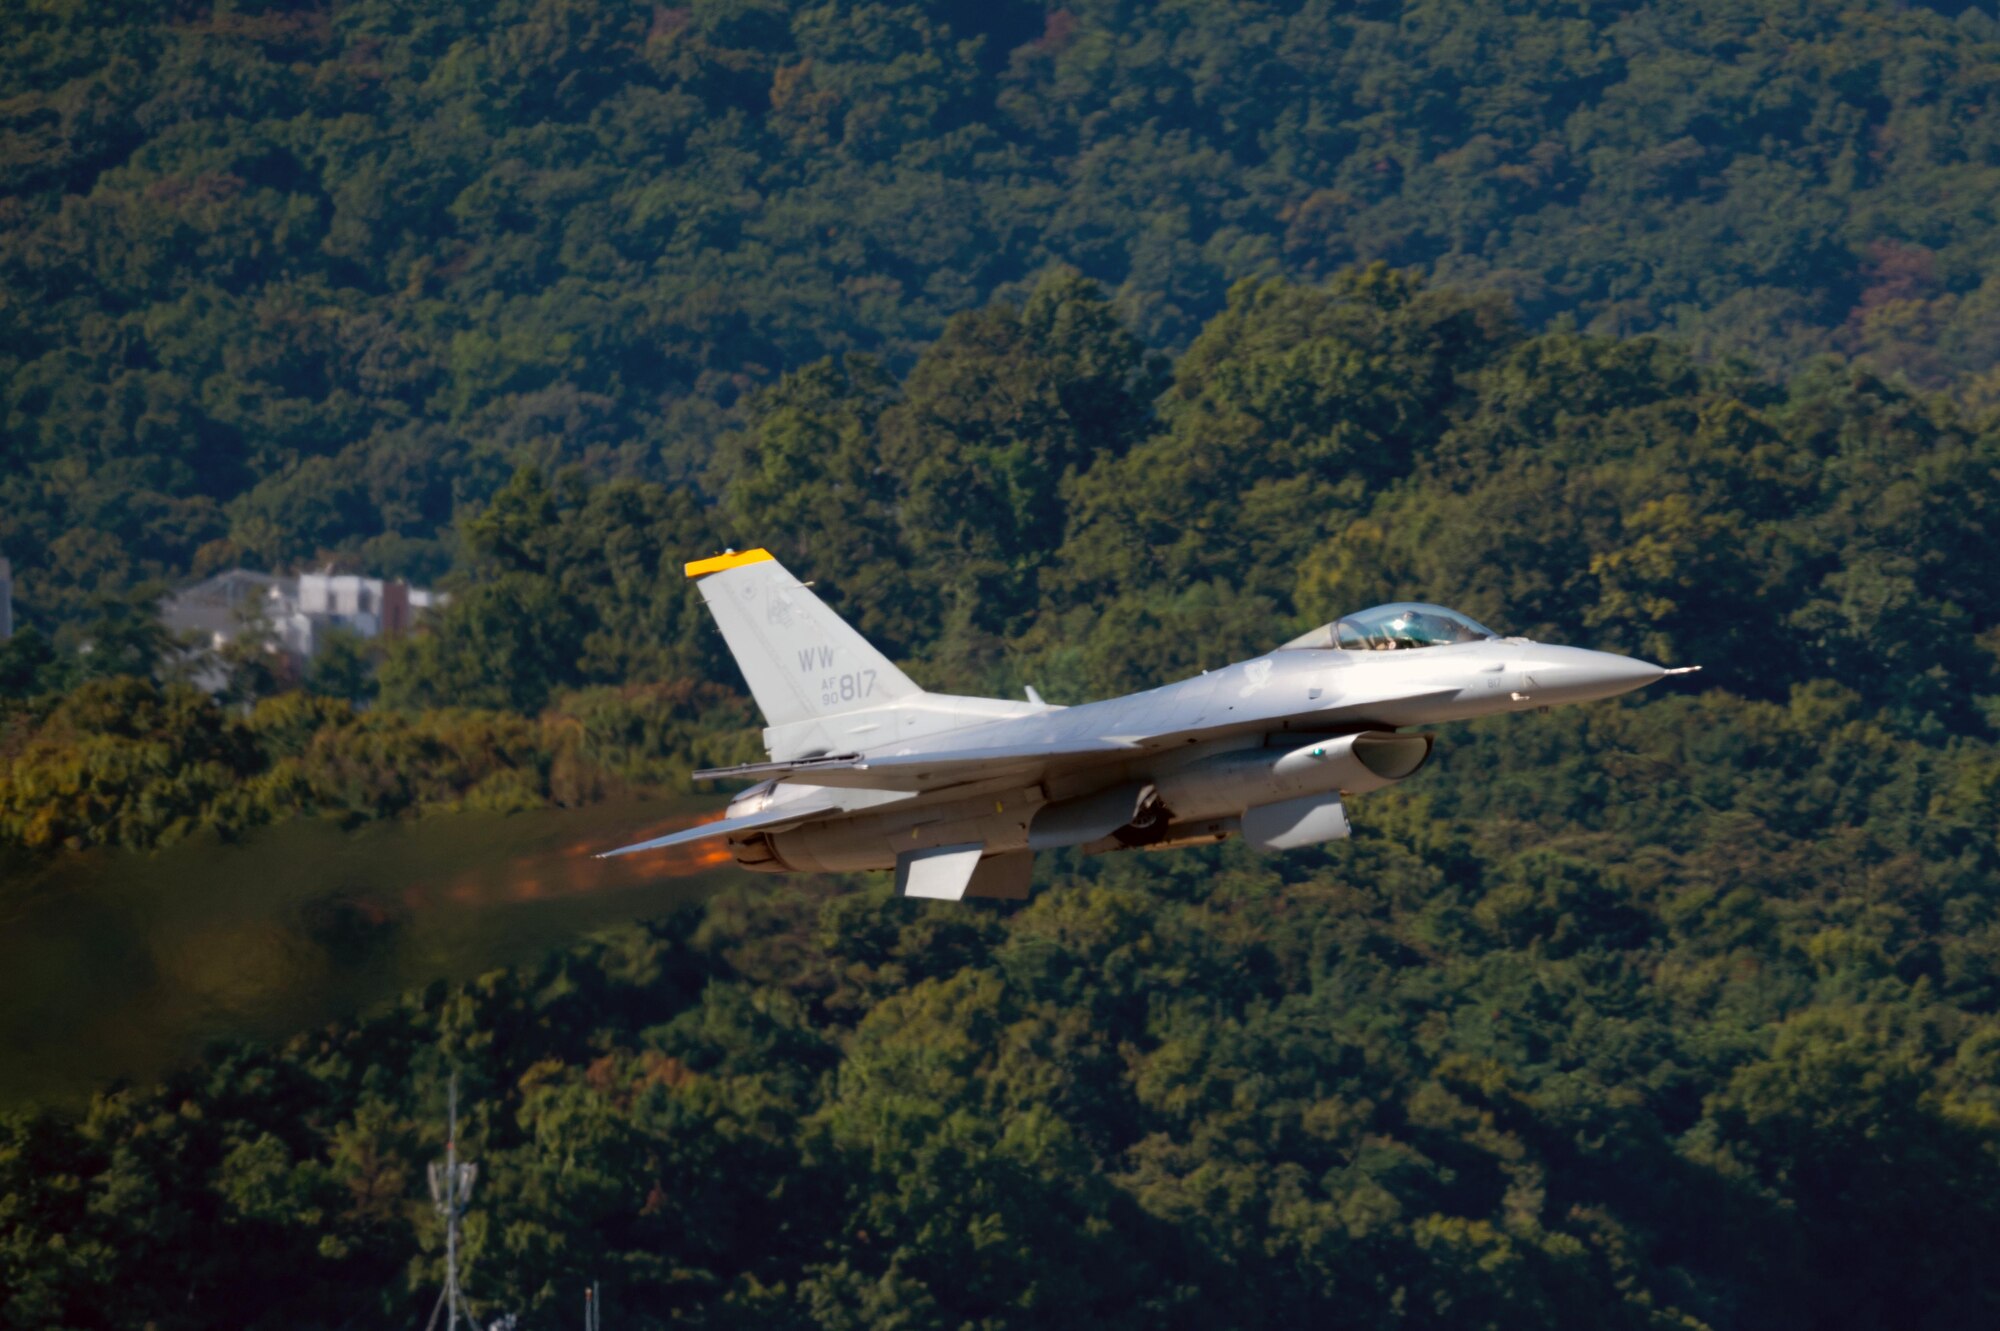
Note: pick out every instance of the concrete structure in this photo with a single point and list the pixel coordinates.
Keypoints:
(222, 608)
(292, 615)
(371, 607)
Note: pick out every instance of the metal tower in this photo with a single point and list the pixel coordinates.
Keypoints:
(451, 1190)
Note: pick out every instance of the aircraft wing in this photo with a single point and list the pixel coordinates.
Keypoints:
(926, 771)
(770, 820)
(1029, 761)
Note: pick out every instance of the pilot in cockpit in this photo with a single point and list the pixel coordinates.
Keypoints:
(1399, 626)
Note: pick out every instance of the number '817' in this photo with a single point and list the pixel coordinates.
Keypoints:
(846, 688)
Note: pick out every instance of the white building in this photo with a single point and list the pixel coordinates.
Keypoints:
(222, 607)
(294, 615)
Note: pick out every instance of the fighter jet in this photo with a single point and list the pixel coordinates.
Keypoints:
(956, 794)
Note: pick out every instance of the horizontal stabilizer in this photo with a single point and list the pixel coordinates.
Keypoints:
(785, 770)
(921, 771)
(770, 820)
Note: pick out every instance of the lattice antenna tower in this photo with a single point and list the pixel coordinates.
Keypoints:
(451, 1191)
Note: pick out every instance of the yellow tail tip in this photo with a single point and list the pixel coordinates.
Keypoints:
(729, 559)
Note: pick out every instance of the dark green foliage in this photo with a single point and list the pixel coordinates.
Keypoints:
(946, 494)
(30, 666)
(1321, 449)
(131, 763)
(296, 280)
(1511, 1054)
(1677, 1012)
(343, 666)
(573, 587)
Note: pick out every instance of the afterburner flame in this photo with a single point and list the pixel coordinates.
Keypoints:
(574, 870)
(119, 965)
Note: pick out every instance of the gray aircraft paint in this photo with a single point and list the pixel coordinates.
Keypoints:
(868, 771)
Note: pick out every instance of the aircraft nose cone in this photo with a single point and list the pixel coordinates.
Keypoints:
(1571, 674)
(1626, 672)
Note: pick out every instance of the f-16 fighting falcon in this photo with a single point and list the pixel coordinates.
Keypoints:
(868, 771)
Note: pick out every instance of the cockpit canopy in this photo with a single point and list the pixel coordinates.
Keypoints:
(1397, 626)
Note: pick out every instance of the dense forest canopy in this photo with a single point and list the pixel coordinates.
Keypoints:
(1078, 347)
(286, 280)
(1682, 1011)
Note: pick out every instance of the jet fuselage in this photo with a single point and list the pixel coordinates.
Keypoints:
(869, 771)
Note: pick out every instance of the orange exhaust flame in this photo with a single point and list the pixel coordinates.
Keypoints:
(574, 870)
(120, 965)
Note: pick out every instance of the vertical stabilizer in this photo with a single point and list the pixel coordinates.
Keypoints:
(801, 661)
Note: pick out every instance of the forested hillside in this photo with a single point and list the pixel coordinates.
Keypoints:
(1081, 347)
(283, 280)
(1672, 1012)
